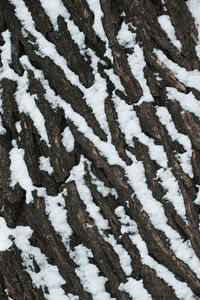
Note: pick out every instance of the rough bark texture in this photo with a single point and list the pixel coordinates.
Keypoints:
(28, 73)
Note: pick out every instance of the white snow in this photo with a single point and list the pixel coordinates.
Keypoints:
(6, 71)
(95, 7)
(184, 158)
(48, 276)
(89, 274)
(158, 78)
(194, 7)
(19, 171)
(165, 23)
(45, 165)
(56, 8)
(136, 60)
(137, 64)
(133, 172)
(5, 241)
(197, 200)
(9, 298)
(173, 194)
(95, 97)
(124, 257)
(18, 126)
(86, 271)
(25, 101)
(164, 5)
(77, 174)
(100, 185)
(130, 227)
(130, 126)
(135, 289)
(187, 101)
(96, 94)
(115, 80)
(68, 139)
(125, 37)
(45, 48)
(188, 78)
(155, 211)
(55, 209)
(106, 148)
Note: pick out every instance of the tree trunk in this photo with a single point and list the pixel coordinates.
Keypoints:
(99, 149)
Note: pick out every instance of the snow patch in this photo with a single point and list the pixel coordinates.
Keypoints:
(187, 101)
(137, 64)
(46, 48)
(155, 211)
(165, 23)
(129, 227)
(173, 193)
(184, 158)
(18, 126)
(86, 271)
(135, 289)
(77, 174)
(48, 276)
(130, 126)
(5, 241)
(89, 274)
(19, 171)
(125, 37)
(45, 165)
(136, 60)
(56, 8)
(68, 139)
(100, 185)
(25, 101)
(188, 78)
(95, 7)
(194, 7)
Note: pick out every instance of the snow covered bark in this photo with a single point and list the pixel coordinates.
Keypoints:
(99, 149)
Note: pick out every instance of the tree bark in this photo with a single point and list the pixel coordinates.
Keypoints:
(99, 150)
